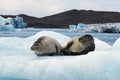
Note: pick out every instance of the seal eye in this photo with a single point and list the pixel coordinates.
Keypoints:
(85, 37)
(36, 44)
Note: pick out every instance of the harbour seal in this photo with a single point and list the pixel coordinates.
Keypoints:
(46, 46)
(78, 45)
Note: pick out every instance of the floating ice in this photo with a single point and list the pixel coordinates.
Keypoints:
(9, 24)
(98, 28)
(18, 62)
(6, 24)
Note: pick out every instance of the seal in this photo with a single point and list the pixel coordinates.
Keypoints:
(79, 45)
(46, 46)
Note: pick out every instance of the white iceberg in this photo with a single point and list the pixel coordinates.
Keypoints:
(18, 62)
(6, 24)
(98, 28)
(9, 24)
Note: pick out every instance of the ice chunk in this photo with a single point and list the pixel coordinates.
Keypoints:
(9, 24)
(19, 23)
(72, 27)
(81, 26)
(6, 24)
(101, 28)
(9, 28)
(17, 61)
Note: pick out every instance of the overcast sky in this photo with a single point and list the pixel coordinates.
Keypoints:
(41, 8)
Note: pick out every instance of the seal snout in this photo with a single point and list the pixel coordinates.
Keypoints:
(32, 48)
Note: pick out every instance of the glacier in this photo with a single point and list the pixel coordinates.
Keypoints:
(18, 62)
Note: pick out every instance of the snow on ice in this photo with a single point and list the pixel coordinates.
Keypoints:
(18, 62)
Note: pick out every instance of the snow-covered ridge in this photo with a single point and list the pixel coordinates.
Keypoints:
(17, 61)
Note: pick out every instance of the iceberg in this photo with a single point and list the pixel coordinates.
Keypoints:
(98, 28)
(6, 24)
(8, 27)
(81, 26)
(19, 23)
(18, 62)
(72, 27)
(9, 24)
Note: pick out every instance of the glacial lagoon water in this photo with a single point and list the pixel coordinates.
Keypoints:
(110, 38)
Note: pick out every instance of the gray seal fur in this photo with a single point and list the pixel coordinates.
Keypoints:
(46, 46)
(78, 45)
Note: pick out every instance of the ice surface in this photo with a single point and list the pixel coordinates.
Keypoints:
(18, 62)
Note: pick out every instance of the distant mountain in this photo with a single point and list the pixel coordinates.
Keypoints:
(64, 19)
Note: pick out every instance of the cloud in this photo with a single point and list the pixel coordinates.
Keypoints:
(112, 5)
(31, 7)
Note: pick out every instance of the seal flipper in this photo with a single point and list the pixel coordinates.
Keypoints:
(66, 49)
(69, 45)
(57, 49)
(92, 47)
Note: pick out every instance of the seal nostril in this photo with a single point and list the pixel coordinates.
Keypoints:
(32, 48)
